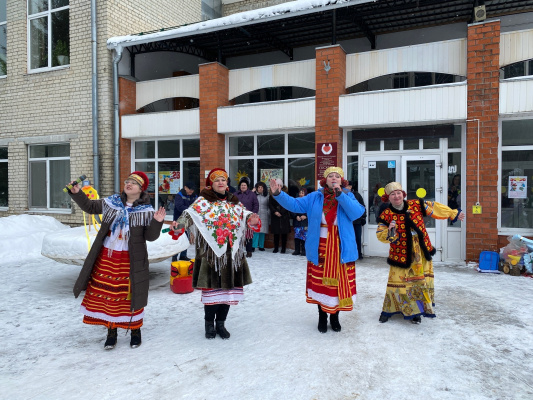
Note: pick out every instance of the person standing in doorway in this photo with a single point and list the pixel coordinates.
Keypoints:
(115, 273)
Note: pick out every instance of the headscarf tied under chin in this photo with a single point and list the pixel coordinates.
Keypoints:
(119, 220)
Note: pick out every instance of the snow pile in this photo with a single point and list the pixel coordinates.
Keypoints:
(21, 236)
(71, 246)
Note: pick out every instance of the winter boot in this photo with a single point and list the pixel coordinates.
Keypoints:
(383, 318)
(334, 321)
(276, 243)
(302, 251)
(296, 247)
(416, 320)
(248, 254)
(221, 330)
(210, 332)
(111, 340)
(222, 313)
(135, 338)
(322, 320)
(283, 243)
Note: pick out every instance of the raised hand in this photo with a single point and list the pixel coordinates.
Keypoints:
(159, 215)
(274, 186)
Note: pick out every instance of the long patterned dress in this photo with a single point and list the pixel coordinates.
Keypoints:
(410, 291)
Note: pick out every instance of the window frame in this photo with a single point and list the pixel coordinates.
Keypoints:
(285, 155)
(47, 159)
(156, 160)
(4, 23)
(506, 231)
(48, 13)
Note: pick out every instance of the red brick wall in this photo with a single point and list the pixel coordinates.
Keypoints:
(127, 100)
(329, 86)
(483, 102)
(214, 91)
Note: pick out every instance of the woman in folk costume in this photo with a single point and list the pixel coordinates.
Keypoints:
(115, 273)
(219, 222)
(410, 290)
(329, 245)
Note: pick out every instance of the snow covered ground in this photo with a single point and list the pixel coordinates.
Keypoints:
(478, 347)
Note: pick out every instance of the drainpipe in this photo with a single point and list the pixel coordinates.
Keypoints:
(116, 166)
(96, 155)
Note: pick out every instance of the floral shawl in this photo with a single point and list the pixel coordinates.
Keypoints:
(220, 223)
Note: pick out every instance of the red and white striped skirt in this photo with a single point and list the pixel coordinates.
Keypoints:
(327, 296)
(107, 298)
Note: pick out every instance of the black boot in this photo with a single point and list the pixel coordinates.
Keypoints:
(222, 313)
(276, 243)
(302, 252)
(209, 316)
(111, 340)
(135, 338)
(322, 320)
(383, 318)
(210, 332)
(283, 243)
(416, 320)
(221, 330)
(296, 247)
(334, 321)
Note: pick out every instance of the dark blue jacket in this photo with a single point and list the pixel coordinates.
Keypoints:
(182, 202)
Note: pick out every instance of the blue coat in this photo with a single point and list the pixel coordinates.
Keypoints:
(348, 210)
(182, 202)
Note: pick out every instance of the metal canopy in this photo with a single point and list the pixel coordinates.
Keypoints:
(323, 27)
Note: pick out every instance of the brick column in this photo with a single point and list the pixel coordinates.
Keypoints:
(329, 86)
(214, 91)
(483, 104)
(127, 90)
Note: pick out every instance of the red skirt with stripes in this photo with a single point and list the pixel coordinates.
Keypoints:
(106, 301)
(327, 296)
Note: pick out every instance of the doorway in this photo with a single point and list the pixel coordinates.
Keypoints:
(413, 172)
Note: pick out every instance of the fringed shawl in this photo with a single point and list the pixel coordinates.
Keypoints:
(120, 218)
(219, 226)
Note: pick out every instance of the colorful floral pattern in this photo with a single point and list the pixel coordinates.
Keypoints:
(221, 219)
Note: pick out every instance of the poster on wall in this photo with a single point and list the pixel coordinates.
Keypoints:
(268, 174)
(517, 187)
(169, 182)
(326, 156)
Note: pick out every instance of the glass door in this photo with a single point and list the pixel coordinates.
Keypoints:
(378, 171)
(425, 172)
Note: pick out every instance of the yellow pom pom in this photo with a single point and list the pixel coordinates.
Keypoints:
(421, 193)
(381, 191)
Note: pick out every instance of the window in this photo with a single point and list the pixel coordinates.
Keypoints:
(48, 33)
(211, 9)
(521, 68)
(455, 183)
(291, 157)
(3, 38)
(517, 174)
(49, 171)
(3, 178)
(169, 164)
